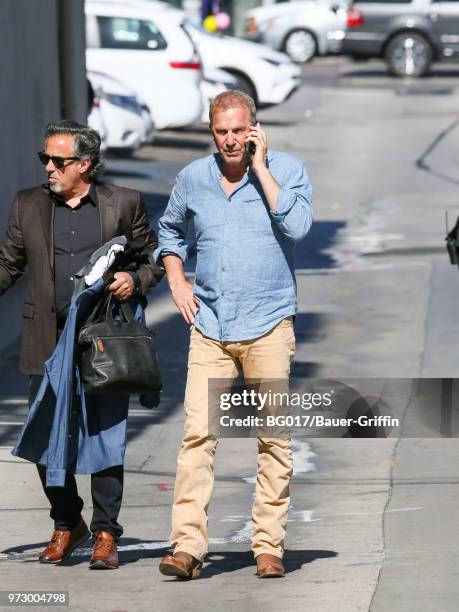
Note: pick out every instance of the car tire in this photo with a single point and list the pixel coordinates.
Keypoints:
(409, 54)
(245, 84)
(300, 45)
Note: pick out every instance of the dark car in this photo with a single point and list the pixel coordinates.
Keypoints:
(409, 35)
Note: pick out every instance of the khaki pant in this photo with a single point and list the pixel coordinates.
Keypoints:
(266, 357)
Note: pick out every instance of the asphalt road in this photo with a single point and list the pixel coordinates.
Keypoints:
(373, 523)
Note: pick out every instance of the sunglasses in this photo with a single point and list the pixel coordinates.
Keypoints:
(59, 162)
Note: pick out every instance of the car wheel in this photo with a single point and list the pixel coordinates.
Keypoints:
(300, 46)
(409, 54)
(244, 84)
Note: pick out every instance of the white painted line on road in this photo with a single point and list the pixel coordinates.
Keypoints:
(232, 518)
(302, 457)
(305, 516)
(302, 460)
(239, 537)
(11, 423)
(83, 552)
(373, 513)
(16, 401)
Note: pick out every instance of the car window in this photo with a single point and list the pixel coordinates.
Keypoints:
(127, 33)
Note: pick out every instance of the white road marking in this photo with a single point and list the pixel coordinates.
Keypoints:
(376, 512)
(302, 457)
(305, 516)
(16, 401)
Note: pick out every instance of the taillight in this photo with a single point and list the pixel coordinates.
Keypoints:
(188, 65)
(354, 17)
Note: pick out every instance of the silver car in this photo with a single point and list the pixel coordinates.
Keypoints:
(302, 30)
(409, 35)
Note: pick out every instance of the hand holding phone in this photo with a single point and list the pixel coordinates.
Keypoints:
(256, 147)
(251, 147)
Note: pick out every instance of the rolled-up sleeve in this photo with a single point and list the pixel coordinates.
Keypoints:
(173, 224)
(293, 214)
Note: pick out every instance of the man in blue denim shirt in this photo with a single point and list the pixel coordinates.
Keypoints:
(250, 205)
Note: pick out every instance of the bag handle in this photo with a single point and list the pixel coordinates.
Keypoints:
(100, 308)
(124, 308)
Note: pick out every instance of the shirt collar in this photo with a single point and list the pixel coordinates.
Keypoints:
(218, 165)
(90, 197)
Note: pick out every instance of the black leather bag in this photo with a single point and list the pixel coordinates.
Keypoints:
(117, 354)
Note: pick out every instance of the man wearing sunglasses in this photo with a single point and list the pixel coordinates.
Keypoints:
(53, 230)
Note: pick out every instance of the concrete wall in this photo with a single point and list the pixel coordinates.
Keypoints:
(42, 79)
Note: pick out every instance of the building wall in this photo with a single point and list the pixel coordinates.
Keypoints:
(36, 49)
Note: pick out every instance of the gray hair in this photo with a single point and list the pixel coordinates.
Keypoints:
(86, 143)
(230, 99)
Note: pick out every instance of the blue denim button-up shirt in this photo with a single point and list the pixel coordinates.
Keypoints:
(245, 278)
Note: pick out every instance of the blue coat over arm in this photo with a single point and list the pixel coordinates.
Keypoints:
(66, 429)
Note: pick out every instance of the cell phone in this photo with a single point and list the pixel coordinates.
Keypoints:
(251, 147)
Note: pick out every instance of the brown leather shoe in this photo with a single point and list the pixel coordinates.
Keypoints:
(63, 543)
(182, 565)
(104, 552)
(269, 566)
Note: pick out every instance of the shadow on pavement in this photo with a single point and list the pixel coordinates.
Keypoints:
(217, 562)
(230, 561)
(223, 562)
(177, 140)
(308, 329)
(310, 253)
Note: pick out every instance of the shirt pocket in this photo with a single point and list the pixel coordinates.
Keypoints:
(255, 214)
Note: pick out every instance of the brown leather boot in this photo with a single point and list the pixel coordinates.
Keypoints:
(182, 565)
(269, 566)
(63, 543)
(104, 552)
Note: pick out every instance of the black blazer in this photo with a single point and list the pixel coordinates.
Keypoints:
(29, 243)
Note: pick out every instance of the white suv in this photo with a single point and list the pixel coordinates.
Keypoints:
(144, 45)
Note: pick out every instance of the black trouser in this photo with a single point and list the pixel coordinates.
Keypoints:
(66, 504)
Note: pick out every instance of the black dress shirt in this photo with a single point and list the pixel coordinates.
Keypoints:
(77, 234)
